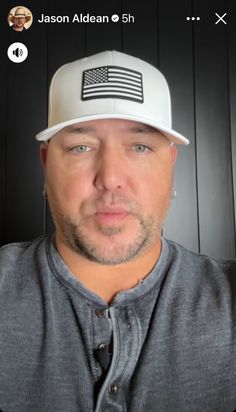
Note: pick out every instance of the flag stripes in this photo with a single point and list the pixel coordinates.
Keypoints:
(112, 82)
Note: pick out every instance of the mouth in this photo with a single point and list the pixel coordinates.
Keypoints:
(109, 215)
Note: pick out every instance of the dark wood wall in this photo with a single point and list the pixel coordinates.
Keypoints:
(199, 61)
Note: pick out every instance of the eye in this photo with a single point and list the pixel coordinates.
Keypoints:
(141, 148)
(80, 149)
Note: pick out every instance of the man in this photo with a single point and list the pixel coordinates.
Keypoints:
(106, 314)
(19, 19)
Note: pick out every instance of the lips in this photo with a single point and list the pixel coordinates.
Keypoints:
(111, 214)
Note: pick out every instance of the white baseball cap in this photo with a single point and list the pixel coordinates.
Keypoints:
(109, 85)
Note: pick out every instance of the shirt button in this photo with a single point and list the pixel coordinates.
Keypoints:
(100, 313)
(102, 346)
(113, 389)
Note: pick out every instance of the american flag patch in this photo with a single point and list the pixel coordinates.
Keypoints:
(112, 82)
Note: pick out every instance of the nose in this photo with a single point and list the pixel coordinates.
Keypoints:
(111, 170)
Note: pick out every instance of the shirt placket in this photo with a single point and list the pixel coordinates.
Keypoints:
(126, 343)
(101, 343)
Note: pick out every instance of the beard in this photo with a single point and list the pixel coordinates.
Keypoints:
(108, 248)
(113, 253)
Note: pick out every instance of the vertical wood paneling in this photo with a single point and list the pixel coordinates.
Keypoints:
(176, 62)
(66, 41)
(107, 36)
(3, 125)
(140, 38)
(23, 218)
(216, 215)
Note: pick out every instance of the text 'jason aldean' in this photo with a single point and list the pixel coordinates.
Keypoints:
(77, 18)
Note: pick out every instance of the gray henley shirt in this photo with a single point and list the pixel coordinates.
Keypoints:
(166, 345)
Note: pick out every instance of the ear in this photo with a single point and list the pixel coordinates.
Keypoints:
(174, 153)
(43, 153)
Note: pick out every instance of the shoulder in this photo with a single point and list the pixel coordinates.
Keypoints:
(197, 263)
(200, 278)
(17, 248)
(15, 256)
(201, 283)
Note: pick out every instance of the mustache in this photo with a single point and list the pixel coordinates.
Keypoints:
(110, 201)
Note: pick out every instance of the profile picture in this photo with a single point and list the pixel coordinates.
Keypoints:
(20, 18)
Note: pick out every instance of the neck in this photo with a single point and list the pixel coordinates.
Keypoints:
(108, 280)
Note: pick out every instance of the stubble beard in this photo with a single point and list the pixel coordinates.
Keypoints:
(77, 237)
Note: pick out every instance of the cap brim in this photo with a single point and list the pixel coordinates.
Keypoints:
(172, 135)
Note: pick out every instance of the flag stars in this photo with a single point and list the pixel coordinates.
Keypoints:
(98, 75)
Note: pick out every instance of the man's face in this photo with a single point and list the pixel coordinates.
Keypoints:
(109, 186)
(19, 21)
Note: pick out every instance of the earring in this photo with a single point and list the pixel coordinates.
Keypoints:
(45, 193)
(173, 193)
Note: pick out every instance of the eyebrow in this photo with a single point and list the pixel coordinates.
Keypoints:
(141, 130)
(82, 129)
(145, 129)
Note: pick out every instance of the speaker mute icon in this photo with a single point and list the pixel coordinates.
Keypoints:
(17, 52)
